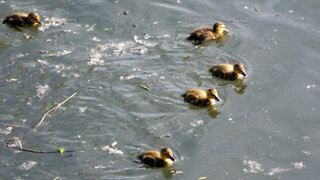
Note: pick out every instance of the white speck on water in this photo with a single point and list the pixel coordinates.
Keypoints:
(82, 109)
(196, 122)
(306, 152)
(95, 39)
(290, 11)
(246, 7)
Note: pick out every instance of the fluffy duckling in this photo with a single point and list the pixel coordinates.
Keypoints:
(18, 19)
(229, 71)
(201, 97)
(205, 34)
(154, 158)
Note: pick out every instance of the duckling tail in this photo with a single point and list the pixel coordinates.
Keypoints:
(193, 36)
(5, 21)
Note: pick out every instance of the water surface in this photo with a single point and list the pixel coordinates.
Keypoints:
(267, 130)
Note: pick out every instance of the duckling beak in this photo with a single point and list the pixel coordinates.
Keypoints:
(216, 98)
(38, 22)
(243, 73)
(225, 31)
(172, 158)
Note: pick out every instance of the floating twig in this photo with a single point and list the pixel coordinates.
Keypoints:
(54, 108)
(41, 152)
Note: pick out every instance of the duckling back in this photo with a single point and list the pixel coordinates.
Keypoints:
(196, 97)
(153, 159)
(225, 71)
(17, 20)
(201, 34)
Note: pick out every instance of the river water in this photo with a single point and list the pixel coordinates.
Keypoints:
(129, 63)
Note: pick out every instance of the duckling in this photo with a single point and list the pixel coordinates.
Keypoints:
(229, 71)
(18, 19)
(201, 97)
(154, 158)
(204, 34)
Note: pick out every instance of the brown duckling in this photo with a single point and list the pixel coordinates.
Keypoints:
(18, 19)
(154, 158)
(201, 97)
(229, 71)
(205, 34)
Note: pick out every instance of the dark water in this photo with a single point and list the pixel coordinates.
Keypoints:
(267, 130)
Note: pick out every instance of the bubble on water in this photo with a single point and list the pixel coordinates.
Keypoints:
(196, 122)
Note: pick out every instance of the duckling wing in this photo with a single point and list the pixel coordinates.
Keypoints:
(149, 160)
(196, 98)
(14, 20)
(223, 71)
(200, 34)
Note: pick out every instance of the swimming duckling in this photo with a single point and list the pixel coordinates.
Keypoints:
(201, 97)
(18, 19)
(154, 158)
(205, 34)
(229, 71)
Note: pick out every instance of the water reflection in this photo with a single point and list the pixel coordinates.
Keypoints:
(168, 172)
(211, 110)
(238, 86)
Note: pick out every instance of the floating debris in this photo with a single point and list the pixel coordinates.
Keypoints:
(111, 149)
(60, 150)
(28, 165)
(49, 54)
(163, 136)
(277, 170)
(144, 87)
(155, 22)
(106, 29)
(41, 90)
(252, 166)
(42, 62)
(99, 167)
(6, 131)
(298, 165)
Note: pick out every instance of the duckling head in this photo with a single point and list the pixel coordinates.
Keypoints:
(213, 94)
(167, 153)
(34, 18)
(219, 27)
(239, 69)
